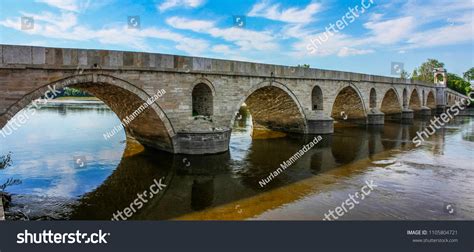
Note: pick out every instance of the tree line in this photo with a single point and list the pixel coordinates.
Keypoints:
(455, 82)
(72, 92)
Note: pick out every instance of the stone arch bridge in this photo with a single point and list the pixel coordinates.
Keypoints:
(203, 96)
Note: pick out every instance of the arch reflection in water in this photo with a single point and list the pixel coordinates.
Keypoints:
(208, 181)
(43, 150)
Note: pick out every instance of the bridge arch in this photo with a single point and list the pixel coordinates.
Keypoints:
(150, 125)
(273, 106)
(415, 103)
(391, 103)
(430, 100)
(348, 104)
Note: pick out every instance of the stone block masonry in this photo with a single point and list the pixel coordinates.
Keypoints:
(204, 95)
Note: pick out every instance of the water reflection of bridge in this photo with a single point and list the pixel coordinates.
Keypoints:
(208, 181)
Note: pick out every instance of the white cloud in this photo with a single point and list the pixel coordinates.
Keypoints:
(62, 22)
(346, 51)
(296, 31)
(399, 33)
(65, 27)
(397, 26)
(375, 17)
(68, 5)
(447, 35)
(228, 52)
(339, 44)
(291, 15)
(428, 11)
(391, 31)
(170, 4)
(245, 39)
(190, 24)
(223, 49)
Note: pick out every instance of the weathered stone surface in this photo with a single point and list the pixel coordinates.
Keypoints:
(407, 114)
(183, 63)
(320, 126)
(201, 64)
(115, 59)
(203, 143)
(425, 111)
(165, 61)
(39, 55)
(82, 57)
(375, 118)
(16, 54)
(93, 58)
(67, 57)
(285, 101)
(127, 59)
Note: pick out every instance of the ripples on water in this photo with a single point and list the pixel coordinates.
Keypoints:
(413, 183)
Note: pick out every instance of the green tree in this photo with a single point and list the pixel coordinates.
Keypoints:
(404, 75)
(414, 74)
(5, 161)
(425, 71)
(469, 74)
(458, 84)
(304, 65)
(72, 92)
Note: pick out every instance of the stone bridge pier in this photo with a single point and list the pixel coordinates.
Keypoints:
(200, 97)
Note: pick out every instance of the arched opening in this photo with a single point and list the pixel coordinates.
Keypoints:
(415, 103)
(373, 98)
(348, 105)
(390, 103)
(273, 109)
(405, 98)
(84, 138)
(202, 100)
(269, 112)
(141, 120)
(430, 100)
(317, 98)
(439, 78)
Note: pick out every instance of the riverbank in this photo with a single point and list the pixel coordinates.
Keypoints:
(76, 100)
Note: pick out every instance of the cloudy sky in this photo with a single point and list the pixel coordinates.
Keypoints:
(279, 32)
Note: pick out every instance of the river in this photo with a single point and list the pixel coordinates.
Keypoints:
(68, 171)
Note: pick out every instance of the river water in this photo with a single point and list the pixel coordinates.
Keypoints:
(68, 171)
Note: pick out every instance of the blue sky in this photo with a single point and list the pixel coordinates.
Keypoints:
(367, 39)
